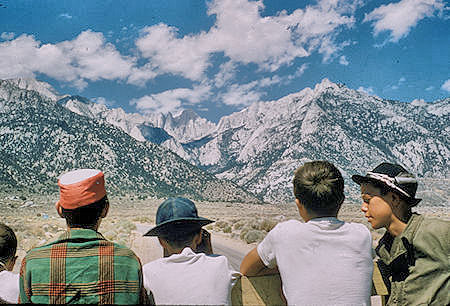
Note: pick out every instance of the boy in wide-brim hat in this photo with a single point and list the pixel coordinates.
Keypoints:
(81, 266)
(414, 250)
(186, 275)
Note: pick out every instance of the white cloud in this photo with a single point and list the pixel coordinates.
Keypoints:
(226, 72)
(446, 86)
(244, 36)
(400, 17)
(104, 101)
(171, 100)
(242, 95)
(7, 35)
(299, 72)
(65, 15)
(429, 88)
(87, 57)
(367, 90)
(343, 60)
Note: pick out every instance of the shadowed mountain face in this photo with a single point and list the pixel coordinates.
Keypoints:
(260, 147)
(41, 139)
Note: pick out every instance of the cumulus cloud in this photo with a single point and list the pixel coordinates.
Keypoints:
(241, 34)
(226, 72)
(343, 60)
(171, 100)
(7, 35)
(446, 86)
(367, 90)
(88, 57)
(242, 94)
(104, 101)
(398, 18)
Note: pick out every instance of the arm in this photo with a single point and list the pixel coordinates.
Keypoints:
(252, 265)
(23, 286)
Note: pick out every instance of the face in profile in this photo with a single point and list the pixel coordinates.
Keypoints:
(375, 206)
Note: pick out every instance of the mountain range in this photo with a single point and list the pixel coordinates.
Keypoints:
(41, 139)
(260, 147)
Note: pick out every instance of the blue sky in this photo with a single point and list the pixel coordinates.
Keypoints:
(219, 56)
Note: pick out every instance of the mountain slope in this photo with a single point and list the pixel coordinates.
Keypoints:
(41, 139)
(261, 146)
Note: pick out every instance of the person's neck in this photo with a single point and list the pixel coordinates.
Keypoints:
(396, 227)
(311, 216)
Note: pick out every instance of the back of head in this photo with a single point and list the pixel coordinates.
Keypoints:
(85, 216)
(319, 186)
(8, 243)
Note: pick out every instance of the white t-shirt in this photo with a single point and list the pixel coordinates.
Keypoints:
(322, 262)
(9, 287)
(190, 278)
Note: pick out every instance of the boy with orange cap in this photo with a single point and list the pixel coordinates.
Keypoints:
(81, 266)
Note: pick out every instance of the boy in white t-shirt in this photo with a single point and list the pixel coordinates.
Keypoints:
(9, 282)
(186, 275)
(323, 261)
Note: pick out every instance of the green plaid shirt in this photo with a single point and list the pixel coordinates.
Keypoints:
(81, 267)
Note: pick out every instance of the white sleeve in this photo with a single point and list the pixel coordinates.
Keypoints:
(266, 249)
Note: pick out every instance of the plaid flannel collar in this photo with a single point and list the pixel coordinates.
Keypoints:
(80, 234)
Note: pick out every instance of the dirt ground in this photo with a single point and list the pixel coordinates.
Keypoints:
(238, 226)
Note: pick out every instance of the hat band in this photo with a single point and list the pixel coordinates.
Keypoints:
(390, 181)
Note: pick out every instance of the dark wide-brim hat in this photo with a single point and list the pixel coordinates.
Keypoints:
(177, 214)
(395, 178)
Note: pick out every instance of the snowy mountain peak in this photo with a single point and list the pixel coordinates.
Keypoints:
(42, 88)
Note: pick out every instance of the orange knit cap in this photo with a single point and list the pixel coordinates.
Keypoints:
(80, 187)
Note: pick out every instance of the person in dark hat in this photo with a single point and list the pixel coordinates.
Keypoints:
(414, 250)
(189, 273)
(81, 266)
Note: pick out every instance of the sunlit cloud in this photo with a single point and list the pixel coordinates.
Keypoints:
(7, 35)
(400, 17)
(343, 60)
(171, 100)
(446, 86)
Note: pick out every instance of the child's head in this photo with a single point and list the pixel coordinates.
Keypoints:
(83, 201)
(319, 187)
(8, 246)
(178, 224)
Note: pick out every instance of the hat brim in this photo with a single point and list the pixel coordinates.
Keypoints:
(359, 179)
(162, 229)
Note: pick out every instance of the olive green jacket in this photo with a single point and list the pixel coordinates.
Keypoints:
(417, 262)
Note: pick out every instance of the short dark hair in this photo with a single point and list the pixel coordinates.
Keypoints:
(8, 243)
(85, 216)
(180, 235)
(319, 186)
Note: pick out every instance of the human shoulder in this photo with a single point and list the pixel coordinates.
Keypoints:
(432, 230)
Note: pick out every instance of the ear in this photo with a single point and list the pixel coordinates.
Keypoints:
(197, 239)
(59, 209)
(298, 203)
(105, 210)
(165, 245)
